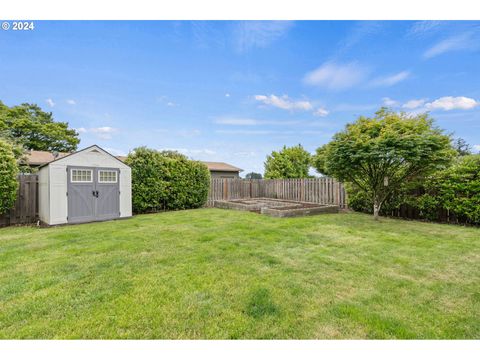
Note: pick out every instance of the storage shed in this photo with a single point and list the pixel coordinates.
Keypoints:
(88, 185)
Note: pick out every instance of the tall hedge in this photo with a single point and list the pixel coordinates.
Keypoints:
(455, 190)
(166, 181)
(8, 177)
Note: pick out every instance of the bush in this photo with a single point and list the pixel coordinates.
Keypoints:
(455, 190)
(166, 181)
(8, 177)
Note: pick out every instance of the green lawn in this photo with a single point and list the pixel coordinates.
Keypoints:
(221, 274)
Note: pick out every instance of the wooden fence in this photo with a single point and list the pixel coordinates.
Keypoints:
(320, 190)
(25, 210)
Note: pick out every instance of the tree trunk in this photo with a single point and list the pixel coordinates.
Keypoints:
(376, 210)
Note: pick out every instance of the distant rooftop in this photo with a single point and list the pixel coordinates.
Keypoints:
(37, 158)
(221, 166)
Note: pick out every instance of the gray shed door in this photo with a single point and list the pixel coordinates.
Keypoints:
(93, 194)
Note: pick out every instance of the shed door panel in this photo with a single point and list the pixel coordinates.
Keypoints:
(93, 194)
(81, 199)
(108, 194)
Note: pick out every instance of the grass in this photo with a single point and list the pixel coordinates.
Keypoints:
(222, 274)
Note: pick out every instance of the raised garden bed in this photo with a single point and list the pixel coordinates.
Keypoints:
(276, 207)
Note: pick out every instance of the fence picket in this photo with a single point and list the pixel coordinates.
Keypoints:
(319, 190)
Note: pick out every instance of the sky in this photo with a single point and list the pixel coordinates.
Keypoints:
(234, 91)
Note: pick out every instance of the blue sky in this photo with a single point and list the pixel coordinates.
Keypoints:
(235, 91)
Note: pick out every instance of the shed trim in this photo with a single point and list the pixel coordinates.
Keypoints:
(79, 151)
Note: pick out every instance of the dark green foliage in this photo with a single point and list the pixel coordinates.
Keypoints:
(288, 163)
(253, 175)
(455, 191)
(8, 177)
(379, 155)
(34, 129)
(166, 181)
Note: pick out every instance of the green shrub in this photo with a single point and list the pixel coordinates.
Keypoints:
(8, 177)
(166, 181)
(455, 190)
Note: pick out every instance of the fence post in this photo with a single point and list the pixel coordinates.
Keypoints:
(225, 190)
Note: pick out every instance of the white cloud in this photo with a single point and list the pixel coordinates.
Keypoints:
(414, 104)
(202, 151)
(451, 103)
(71, 102)
(420, 28)
(104, 132)
(259, 34)
(454, 43)
(81, 130)
(50, 102)
(227, 95)
(321, 112)
(476, 148)
(186, 151)
(269, 132)
(389, 102)
(245, 153)
(252, 122)
(236, 121)
(166, 101)
(336, 76)
(391, 79)
(284, 102)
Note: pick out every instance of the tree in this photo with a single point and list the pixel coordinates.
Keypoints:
(462, 147)
(380, 154)
(253, 175)
(35, 129)
(8, 177)
(288, 163)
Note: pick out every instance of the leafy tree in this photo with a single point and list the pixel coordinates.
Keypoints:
(253, 175)
(456, 189)
(288, 163)
(35, 129)
(173, 154)
(8, 177)
(166, 181)
(462, 147)
(380, 154)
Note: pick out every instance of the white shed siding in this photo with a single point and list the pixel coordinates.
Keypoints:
(54, 199)
(125, 192)
(58, 194)
(43, 195)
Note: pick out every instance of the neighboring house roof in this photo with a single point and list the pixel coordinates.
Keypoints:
(38, 158)
(35, 157)
(221, 166)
